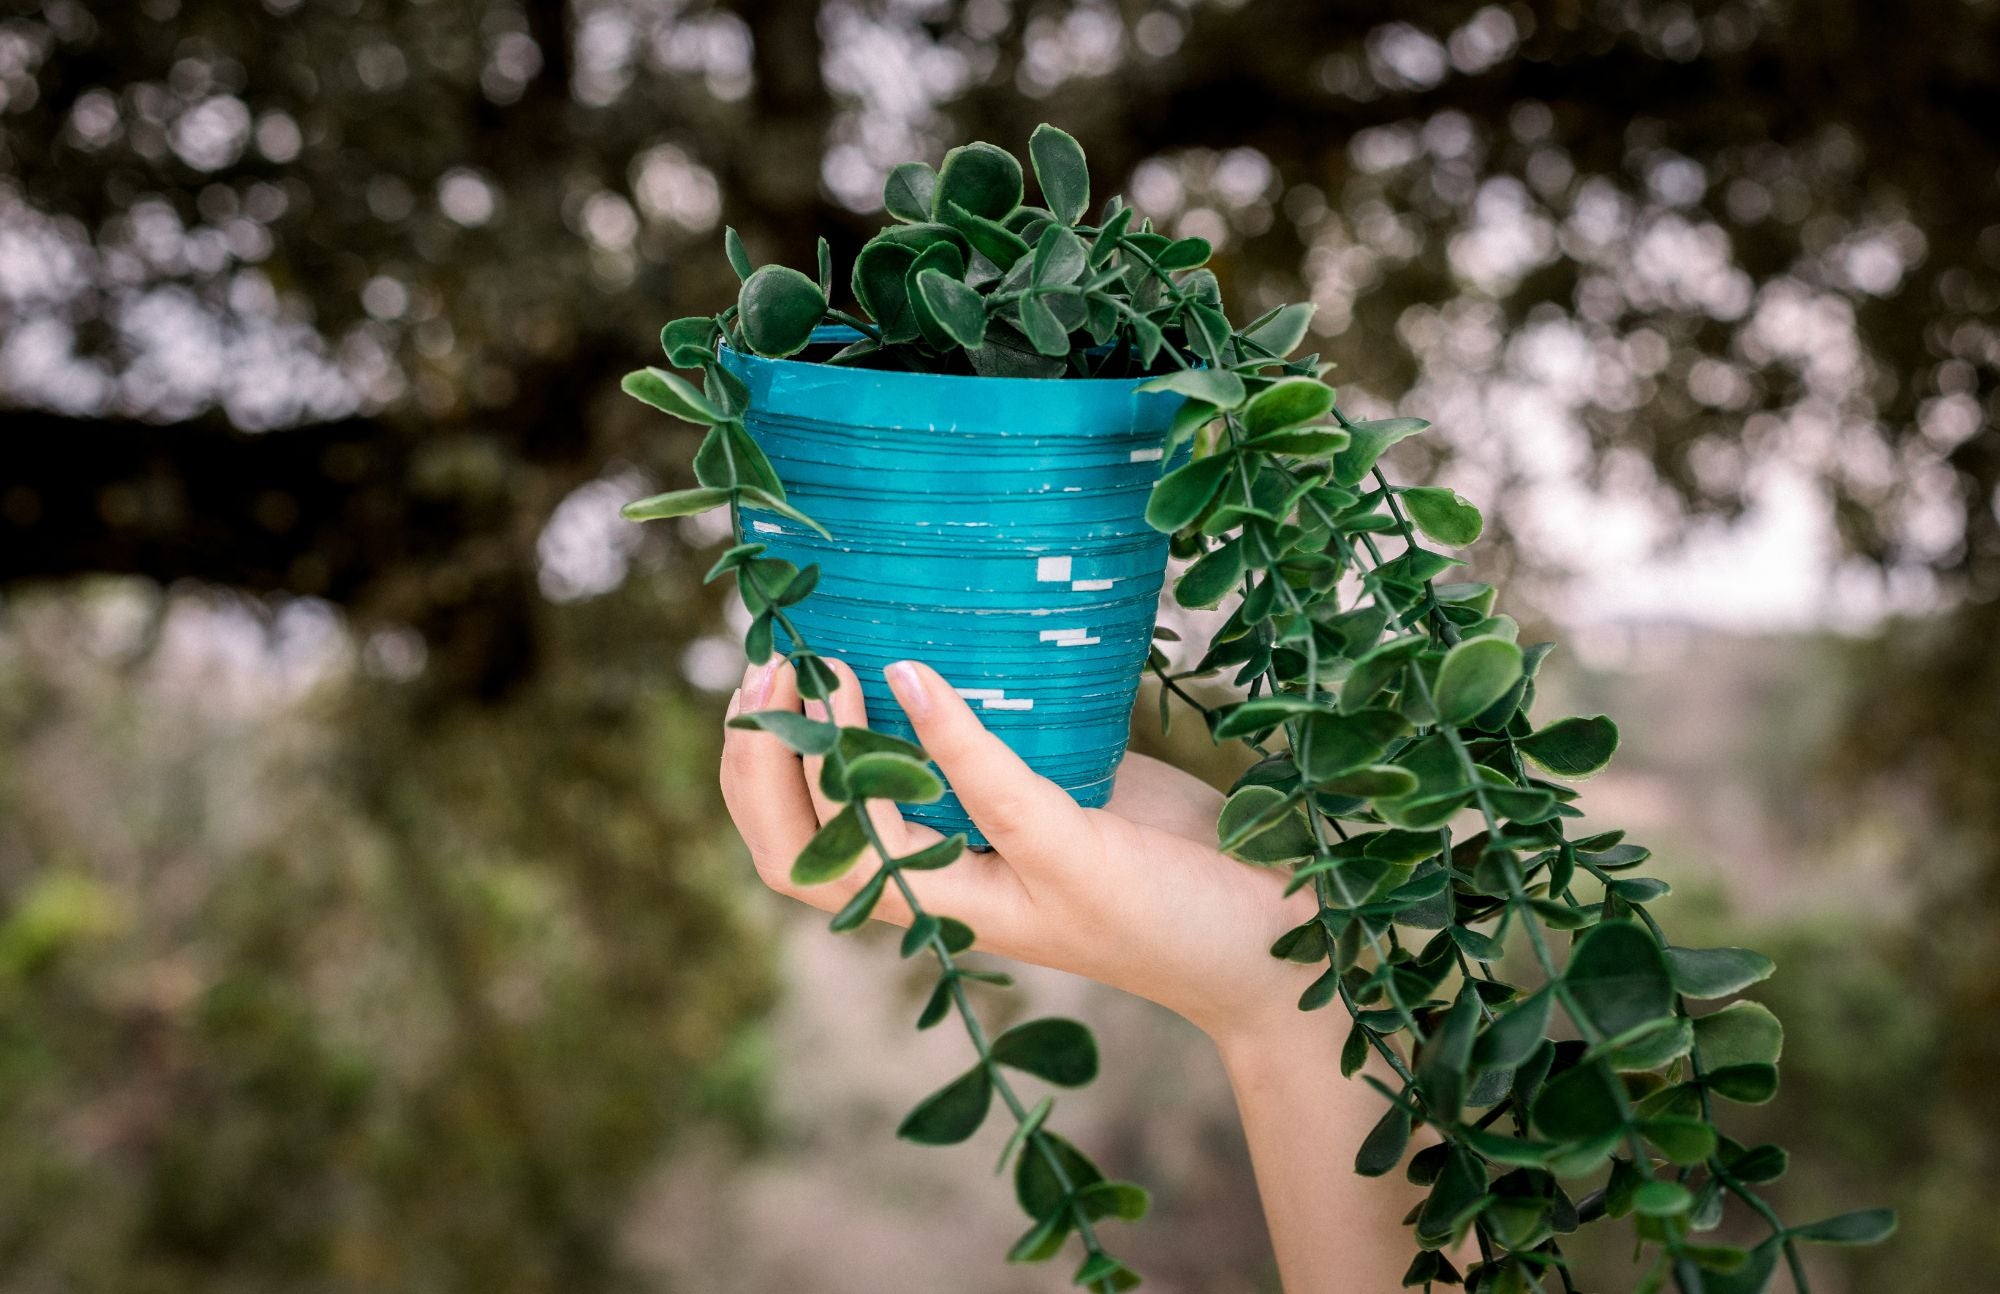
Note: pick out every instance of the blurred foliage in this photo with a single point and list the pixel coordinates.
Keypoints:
(342, 993)
(379, 265)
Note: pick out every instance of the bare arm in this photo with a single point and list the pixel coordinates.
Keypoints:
(1135, 896)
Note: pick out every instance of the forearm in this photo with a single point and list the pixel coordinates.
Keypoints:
(1334, 1232)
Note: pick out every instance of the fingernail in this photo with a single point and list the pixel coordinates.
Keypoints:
(757, 683)
(735, 700)
(908, 685)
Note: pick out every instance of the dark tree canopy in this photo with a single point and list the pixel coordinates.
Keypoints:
(411, 245)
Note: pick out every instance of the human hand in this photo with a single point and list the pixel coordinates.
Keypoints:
(1134, 895)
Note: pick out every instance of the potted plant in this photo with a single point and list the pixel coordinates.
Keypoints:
(988, 465)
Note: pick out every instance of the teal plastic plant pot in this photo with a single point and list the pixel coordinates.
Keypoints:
(993, 528)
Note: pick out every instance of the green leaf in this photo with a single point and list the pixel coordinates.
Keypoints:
(1572, 747)
(1035, 1183)
(1184, 254)
(884, 776)
(752, 497)
(1382, 1149)
(1216, 386)
(1212, 577)
(1447, 1053)
(1862, 1227)
(941, 853)
(1717, 972)
(1684, 1141)
(729, 458)
(1617, 978)
(1256, 715)
(1742, 1033)
(1338, 743)
(1061, 172)
(1580, 1104)
(1371, 439)
(739, 257)
(825, 269)
(1257, 828)
(674, 503)
(1443, 515)
(959, 311)
(1042, 1241)
(1289, 402)
(952, 1113)
(1059, 257)
(1373, 782)
(1182, 494)
(1753, 1277)
(979, 178)
(1513, 1152)
(1284, 330)
(881, 284)
(943, 258)
(908, 191)
(689, 342)
(777, 310)
(1514, 1034)
(1475, 674)
(1122, 1200)
(1745, 1084)
(671, 393)
(1058, 1050)
(1354, 1051)
(1761, 1164)
(1662, 1199)
(1044, 331)
(857, 909)
(806, 736)
(832, 850)
(989, 238)
(1026, 1128)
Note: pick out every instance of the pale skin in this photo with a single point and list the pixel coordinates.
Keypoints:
(1135, 896)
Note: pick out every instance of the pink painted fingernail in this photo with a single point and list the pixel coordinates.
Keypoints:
(908, 685)
(757, 684)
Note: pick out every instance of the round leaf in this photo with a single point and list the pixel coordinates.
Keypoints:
(960, 312)
(1290, 402)
(885, 776)
(1717, 972)
(1061, 1051)
(982, 179)
(1061, 172)
(831, 851)
(907, 193)
(1617, 978)
(777, 309)
(1475, 674)
(1183, 493)
(952, 1113)
(1443, 515)
(1572, 747)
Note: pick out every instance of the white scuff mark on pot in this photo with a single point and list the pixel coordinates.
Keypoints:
(766, 528)
(1009, 703)
(1052, 570)
(1091, 586)
(981, 693)
(1153, 455)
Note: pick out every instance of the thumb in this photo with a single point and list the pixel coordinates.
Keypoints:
(1024, 815)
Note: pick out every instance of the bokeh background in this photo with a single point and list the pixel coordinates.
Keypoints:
(368, 918)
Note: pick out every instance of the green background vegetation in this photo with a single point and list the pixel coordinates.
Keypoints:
(367, 918)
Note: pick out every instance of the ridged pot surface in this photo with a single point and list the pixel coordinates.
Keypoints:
(993, 528)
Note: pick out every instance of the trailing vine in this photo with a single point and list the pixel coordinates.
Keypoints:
(1399, 774)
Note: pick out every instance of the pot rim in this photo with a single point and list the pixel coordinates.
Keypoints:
(841, 333)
